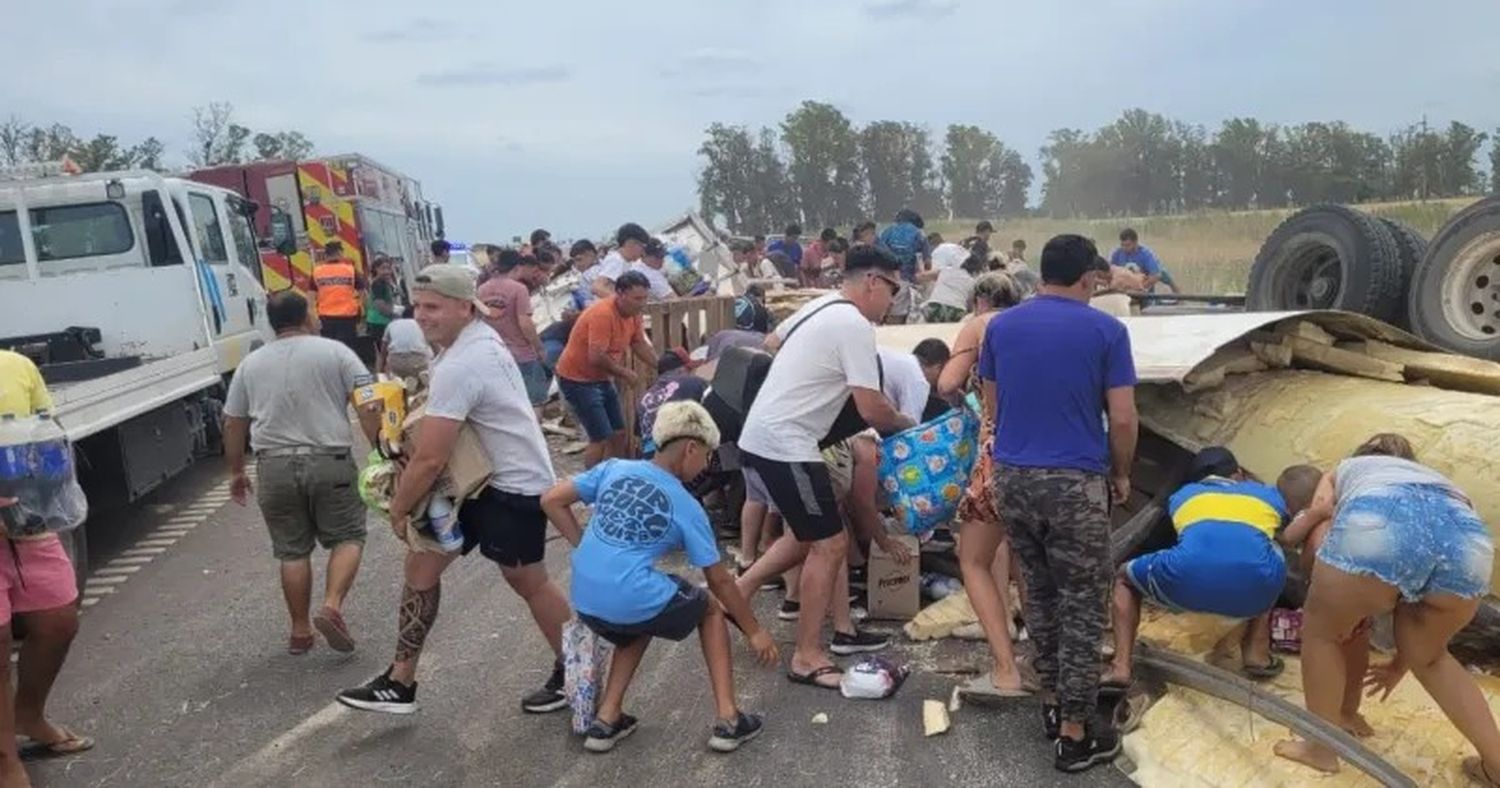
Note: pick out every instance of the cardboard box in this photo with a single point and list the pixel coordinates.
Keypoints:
(468, 467)
(895, 593)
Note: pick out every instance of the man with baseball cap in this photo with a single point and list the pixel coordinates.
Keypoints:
(474, 383)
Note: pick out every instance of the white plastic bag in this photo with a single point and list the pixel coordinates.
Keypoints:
(586, 659)
(36, 469)
(873, 678)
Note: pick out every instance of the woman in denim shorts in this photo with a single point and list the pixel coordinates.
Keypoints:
(1404, 539)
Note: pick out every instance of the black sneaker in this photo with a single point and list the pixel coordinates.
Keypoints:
(790, 611)
(728, 738)
(1052, 720)
(1094, 748)
(550, 697)
(382, 694)
(602, 737)
(857, 643)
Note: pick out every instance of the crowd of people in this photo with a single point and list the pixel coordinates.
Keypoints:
(1054, 383)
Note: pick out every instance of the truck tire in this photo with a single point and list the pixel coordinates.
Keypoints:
(1328, 257)
(1455, 293)
(1411, 246)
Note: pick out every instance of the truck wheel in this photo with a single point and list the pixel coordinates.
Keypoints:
(1328, 257)
(1455, 293)
(1411, 246)
(76, 543)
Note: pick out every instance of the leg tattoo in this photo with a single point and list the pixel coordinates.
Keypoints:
(418, 611)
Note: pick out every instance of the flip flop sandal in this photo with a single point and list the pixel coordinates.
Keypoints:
(1270, 670)
(981, 689)
(71, 744)
(331, 624)
(811, 679)
(1474, 770)
(297, 645)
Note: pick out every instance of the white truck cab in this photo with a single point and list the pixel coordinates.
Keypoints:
(136, 295)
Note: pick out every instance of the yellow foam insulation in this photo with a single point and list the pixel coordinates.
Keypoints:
(1279, 418)
(1192, 739)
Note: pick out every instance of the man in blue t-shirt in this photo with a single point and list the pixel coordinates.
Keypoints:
(789, 244)
(1052, 368)
(1140, 259)
(1226, 562)
(642, 511)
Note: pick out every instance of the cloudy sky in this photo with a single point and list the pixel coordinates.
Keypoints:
(579, 115)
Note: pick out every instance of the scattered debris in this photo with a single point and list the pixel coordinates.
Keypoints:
(954, 702)
(940, 619)
(935, 718)
(820, 719)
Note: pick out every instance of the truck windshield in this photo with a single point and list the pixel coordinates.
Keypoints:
(12, 254)
(66, 232)
(244, 238)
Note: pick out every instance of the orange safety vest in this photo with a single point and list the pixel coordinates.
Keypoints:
(337, 295)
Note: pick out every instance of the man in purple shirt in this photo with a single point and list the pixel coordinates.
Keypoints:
(1052, 368)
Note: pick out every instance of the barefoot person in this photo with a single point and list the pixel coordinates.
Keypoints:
(984, 555)
(474, 382)
(1225, 563)
(1405, 539)
(642, 512)
(826, 356)
(1059, 369)
(1298, 484)
(291, 397)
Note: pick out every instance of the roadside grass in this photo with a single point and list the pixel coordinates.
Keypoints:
(1208, 252)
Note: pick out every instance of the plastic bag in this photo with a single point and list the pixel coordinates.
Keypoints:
(36, 469)
(377, 483)
(873, 678)
(925, 470)
(586, 659)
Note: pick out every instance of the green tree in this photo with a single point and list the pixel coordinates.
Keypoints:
(147, 154)
(771, 195)
(1456, 167)
(897, 160)
(50, 143)
(926, 180)
(1495, 163)
(1416, 163)
(725, 182)
(13, 135)
(101, 153)
(824, 164)
(1015, 182)
(969, 166)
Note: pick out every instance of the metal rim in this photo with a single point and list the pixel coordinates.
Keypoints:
(1311, 277)
(1471, 289)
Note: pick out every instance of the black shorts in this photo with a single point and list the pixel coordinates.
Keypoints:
(678, 618)
(508, 528)
(340, 329)
(803, 493)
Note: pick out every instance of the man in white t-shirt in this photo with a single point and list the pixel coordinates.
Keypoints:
(826, 356)
(474, 382)
(653, 265)
(948, 255)
(630, 244)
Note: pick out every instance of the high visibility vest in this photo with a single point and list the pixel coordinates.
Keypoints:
(337, 295)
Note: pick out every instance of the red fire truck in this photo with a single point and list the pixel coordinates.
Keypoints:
(302, 205)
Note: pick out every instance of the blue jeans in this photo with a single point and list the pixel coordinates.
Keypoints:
(538, 381)
(597, 406)
(1415, 537)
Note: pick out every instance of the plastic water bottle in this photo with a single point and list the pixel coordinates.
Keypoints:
(442, 521)
(15, 476)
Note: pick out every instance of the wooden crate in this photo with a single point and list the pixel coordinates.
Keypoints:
(682, 322)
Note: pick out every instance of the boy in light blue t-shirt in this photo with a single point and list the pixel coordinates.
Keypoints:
(642, 511)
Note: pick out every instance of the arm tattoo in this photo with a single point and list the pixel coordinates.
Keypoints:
(419, 610)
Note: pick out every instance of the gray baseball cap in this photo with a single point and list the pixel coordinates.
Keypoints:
(452, 281)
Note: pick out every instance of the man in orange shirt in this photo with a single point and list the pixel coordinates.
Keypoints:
(338, 287)
(595, 359)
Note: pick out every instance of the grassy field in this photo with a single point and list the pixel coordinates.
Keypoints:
(1206, 252)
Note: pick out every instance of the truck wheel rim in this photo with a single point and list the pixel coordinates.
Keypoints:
(1471, 289)
(1312, 277)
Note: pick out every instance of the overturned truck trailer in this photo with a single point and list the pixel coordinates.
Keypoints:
(1281, 388)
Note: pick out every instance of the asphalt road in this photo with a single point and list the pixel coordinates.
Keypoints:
(180, 673)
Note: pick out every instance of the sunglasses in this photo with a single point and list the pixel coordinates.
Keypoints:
(894, 285)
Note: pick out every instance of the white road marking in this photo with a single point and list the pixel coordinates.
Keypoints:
(108, 580)
(89, 591)
(254, 768)
(132, 560)
(116, 570)
(157, 542)
(179, 520)
(176, 533)
(90, 601)
(139, 551)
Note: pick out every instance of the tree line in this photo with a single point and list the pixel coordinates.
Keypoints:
(817, 167)
(217, 139)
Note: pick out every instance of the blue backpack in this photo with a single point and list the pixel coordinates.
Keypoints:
(904, 242)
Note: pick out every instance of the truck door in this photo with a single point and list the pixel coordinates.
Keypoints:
(235, 292)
